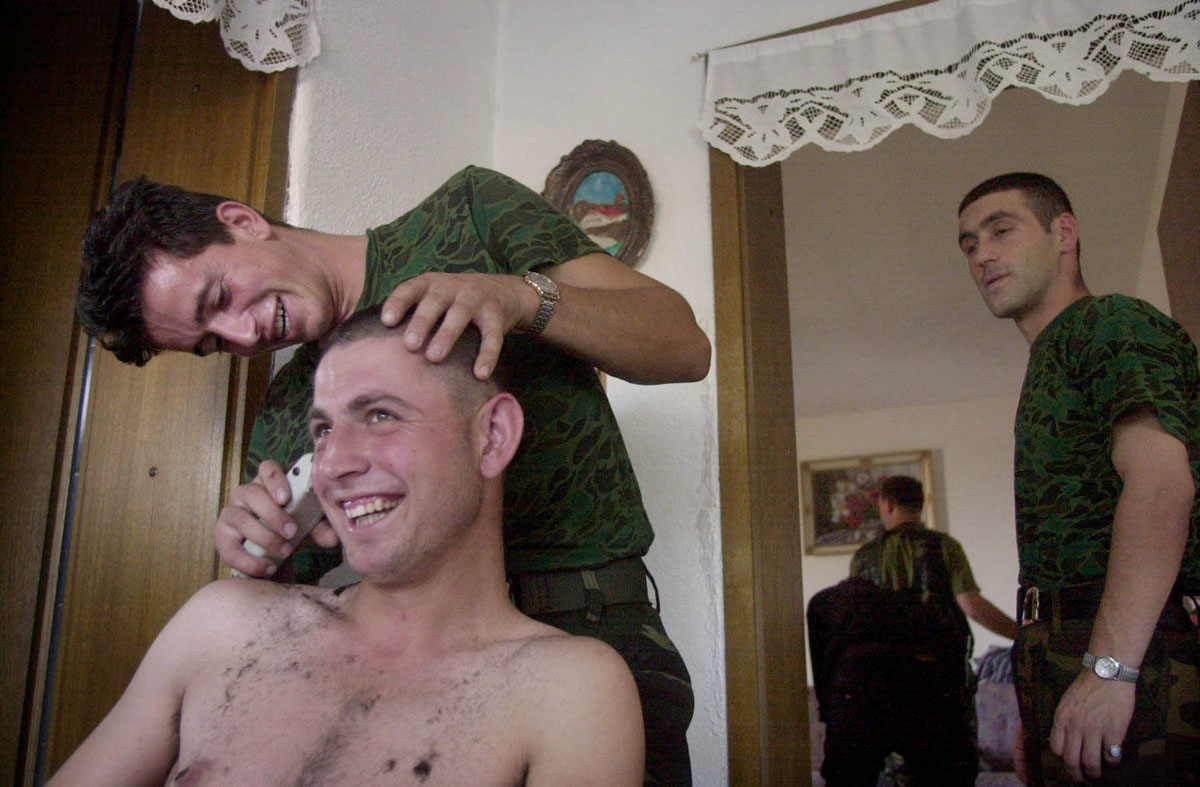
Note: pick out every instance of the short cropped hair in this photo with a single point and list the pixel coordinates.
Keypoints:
(141, 218)
(1045, 198)
(904, 491)
(459, 363)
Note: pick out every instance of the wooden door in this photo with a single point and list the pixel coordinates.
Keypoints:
(160, 445)
(62, 64)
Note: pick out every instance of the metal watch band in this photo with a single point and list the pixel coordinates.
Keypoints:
(547, 290)
(1108, 668)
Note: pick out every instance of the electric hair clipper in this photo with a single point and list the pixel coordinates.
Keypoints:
(304, 508)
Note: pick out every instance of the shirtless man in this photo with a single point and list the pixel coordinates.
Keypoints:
(423, 673)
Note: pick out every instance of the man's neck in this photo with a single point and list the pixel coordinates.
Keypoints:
(1034, 322)
(460, 600)
(342, 259)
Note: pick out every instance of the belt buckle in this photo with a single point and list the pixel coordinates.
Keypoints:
(1031, 606)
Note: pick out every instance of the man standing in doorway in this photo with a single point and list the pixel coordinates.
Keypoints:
(1108, 531)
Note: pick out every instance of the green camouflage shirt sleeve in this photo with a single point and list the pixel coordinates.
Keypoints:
(961, 578)
(1137, 358)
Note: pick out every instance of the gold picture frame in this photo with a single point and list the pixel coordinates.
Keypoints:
(839, 511)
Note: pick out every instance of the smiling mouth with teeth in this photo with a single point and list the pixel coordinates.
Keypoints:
(370, 511)
(281, 320)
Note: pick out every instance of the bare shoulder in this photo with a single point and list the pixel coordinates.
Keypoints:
(230, 606)
(554, 652)
(556, 666)
(580, 711)
(232, 599)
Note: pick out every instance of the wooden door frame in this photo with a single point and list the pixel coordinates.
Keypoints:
(766, 683)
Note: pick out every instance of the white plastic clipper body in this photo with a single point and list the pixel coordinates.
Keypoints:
(303, 508)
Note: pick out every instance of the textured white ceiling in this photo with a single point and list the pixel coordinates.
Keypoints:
(883, 311)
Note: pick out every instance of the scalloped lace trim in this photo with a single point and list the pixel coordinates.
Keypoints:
(1072, 66)
(264, 35)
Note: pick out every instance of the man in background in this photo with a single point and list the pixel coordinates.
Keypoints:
(903, 677)
(1108, 531)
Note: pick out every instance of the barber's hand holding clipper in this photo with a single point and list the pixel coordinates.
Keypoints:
(266, 518)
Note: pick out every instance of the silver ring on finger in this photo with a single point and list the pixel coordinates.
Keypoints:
(1114, 750)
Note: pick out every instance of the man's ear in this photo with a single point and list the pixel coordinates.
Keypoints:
(501, 423)
(237, 216)
(1066, 232)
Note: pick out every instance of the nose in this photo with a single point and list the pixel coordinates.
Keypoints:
(338, 456)
(984, 251)
(238, 331)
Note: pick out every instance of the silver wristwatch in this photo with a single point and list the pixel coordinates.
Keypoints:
(547, 290)
(1108, 668)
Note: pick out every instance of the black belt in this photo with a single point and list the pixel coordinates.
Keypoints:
(619, 582)
(1082, 602)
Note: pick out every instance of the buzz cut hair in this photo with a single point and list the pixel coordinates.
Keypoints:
(458, 366)
(1044, 198)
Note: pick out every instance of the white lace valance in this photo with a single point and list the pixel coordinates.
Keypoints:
(265, 35)
(936, 66)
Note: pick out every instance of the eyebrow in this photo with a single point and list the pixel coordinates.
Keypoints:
(361, 402)
(992, 218)
(198, 317)
(202, 301)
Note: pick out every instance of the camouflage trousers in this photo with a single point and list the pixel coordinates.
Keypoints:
(664, 686)
(1162, 745)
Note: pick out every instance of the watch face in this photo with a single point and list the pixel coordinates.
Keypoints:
(544, 282)
(1106, 667)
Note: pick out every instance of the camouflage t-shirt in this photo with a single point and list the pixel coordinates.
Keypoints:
(930, 567)
(896, 561)
(571, 498)
(1097, 360)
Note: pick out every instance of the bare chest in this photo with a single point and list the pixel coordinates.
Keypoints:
(333, 716)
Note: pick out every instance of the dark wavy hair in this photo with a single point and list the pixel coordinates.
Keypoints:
(140, 219)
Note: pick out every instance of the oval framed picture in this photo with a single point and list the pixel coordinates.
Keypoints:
(603, 188)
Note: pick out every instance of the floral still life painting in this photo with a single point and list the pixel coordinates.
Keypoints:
(840, 497)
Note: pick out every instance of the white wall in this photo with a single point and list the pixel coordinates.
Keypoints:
(972, 444)
(401, 97)
(405, 93)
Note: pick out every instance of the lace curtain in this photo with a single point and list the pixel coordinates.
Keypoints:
(936, 66)
(265, 35)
